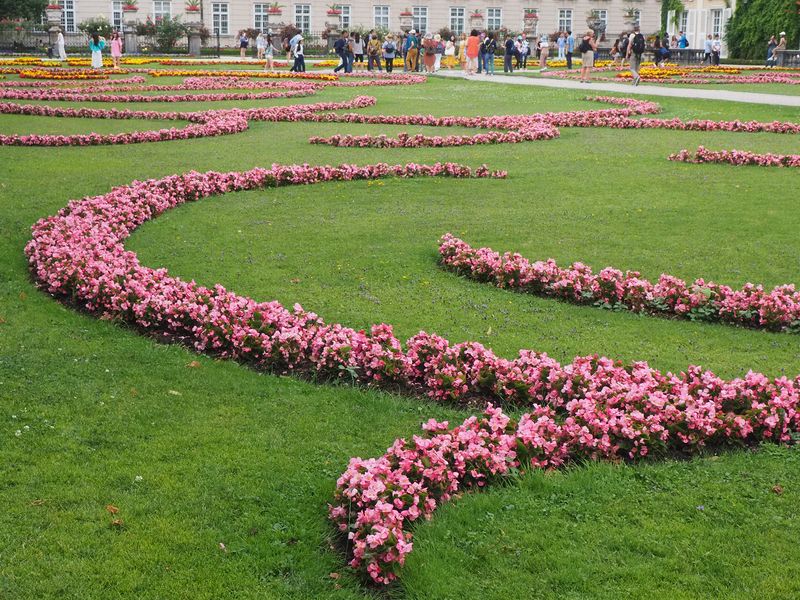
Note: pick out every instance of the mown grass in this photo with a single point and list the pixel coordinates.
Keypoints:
(227, 455)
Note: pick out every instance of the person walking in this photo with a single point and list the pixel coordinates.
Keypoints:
(299, 65)
(389, 52)
(508, 55)
(270, 48)
(489, 48)
(62, 53)
(116, 49)
(96, 45)
(707, 43)
(373, 51)
(636, 47)
(339, 47)
(570, 48)
(587, 49)
(411, 48)
(244, 41)
(562, 46)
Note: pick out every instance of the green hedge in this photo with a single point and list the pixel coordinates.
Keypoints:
(754, 21)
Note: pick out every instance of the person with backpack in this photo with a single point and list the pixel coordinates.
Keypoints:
(373, 51)
(623, 49)
(389, 51)
(683, 41)
(636, 47)
(587, 49)
(488, 47)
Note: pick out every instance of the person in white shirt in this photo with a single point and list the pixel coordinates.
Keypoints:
(707, 44)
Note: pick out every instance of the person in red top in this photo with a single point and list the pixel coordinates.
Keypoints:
(473, 47)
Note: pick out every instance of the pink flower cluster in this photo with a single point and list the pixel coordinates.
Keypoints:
(594, 408)
(737, 157)
(750, 306)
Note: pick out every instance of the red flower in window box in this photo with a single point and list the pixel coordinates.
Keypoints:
(53, 6)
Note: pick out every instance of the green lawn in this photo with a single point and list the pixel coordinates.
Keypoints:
(196, 456)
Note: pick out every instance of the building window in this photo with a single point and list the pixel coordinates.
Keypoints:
(344, 18)
(602, 15)
(302, 17)
(684, 20)
(457, 19)
(161, 9)
(494, 18)
(637, 16)
(381, 14)
(68, 16)
(716, 22)
(116, 15)
(261, 17)
(420, 19)
(219, 17)
(565, 19)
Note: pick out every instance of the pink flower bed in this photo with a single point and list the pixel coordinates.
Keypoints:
(201, 124)
(737, 157)
(521, 128)
(750, 306)
(593, 408)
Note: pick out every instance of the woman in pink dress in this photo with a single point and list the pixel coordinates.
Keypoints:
(116, 48)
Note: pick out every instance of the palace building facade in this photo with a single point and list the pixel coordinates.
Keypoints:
(314, 16)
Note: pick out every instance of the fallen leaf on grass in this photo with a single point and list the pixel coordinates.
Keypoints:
(295, 280)
(222, 547)
(112, 509)
(334, 576)
(175, 393)
(38, 502)
(2, 321)
(117, 523)
(193, 365)
(777, 489)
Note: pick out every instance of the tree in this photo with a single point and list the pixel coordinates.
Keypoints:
(755, 21)
(99, 25)
(22, 9)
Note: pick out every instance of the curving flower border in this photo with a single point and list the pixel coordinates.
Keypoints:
(750, 306)
(592, 408)
(201, 124)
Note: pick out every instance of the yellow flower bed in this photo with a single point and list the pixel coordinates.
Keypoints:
(40, 74)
